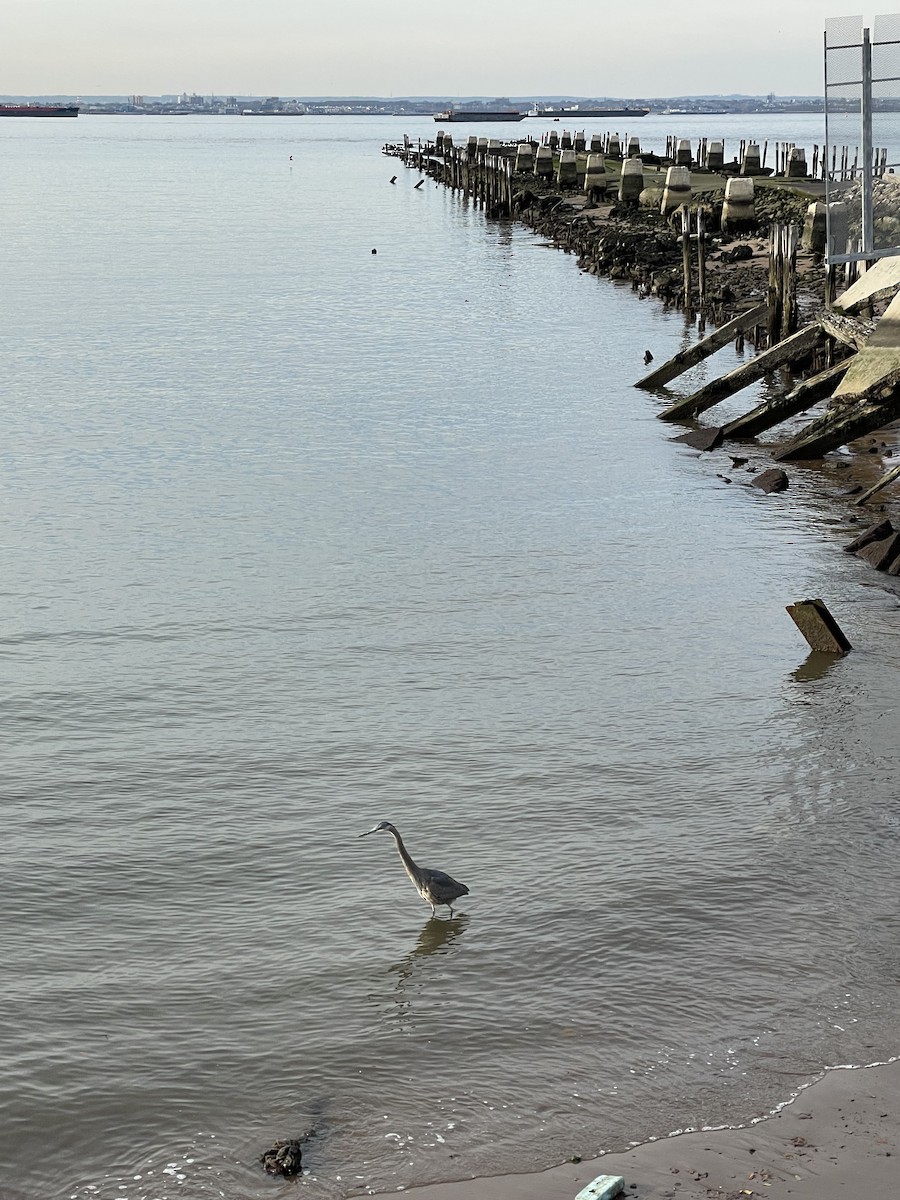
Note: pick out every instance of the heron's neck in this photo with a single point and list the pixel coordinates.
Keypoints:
(411, 869)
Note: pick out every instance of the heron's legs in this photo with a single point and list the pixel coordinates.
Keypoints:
(432, 908)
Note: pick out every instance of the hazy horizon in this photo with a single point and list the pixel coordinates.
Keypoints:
(351, 47)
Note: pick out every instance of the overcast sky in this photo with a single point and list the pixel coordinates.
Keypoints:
(413, 47)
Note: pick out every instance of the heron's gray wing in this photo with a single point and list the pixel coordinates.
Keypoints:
(442, 883)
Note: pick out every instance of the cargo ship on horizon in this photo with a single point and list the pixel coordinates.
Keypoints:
(38, 110)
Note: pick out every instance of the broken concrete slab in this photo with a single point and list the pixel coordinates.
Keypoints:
(881, 279)
(702, 439)
(819, 627)
(881, 554)
(875, 533)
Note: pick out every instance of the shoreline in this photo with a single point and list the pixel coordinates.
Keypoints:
(835, 1137)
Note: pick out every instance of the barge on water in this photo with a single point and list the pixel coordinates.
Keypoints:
(574, 113)
(38, 110)
(479, 114)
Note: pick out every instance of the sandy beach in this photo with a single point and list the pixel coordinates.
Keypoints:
(837, 1139)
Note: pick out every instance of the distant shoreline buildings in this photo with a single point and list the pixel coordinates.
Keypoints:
(195, 104)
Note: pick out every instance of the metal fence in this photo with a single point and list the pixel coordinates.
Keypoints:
(862, 76)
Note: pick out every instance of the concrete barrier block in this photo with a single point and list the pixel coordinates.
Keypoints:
(677, 190)
(715, 156)
(739, 208)
(819, 627)
(543, 162)
(567, 169)
(631, 182)
(604, 1187)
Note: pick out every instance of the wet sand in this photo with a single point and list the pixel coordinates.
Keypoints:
(837, 1139)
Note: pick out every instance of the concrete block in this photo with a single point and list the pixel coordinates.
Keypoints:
(683, 153)
(881, 529)
(565, 142)
(634, 147)
(838, 227)
(819, 627)
(604, 1187)
(881, 554)
(739, 208)
(543, 162)
(715, 156)
(578, 143)
(631, 182)
(813, 238)
(596, 146)
(796, 164)
(614, 149)
(596, 179)
(524, 157)
(677, 190)
(567, 169)
(751, 164)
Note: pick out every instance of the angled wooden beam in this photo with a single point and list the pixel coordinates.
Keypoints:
(891, 475)
(779, 408)
(795, 346)
(851, 331)
(842, 423)
(686, 359)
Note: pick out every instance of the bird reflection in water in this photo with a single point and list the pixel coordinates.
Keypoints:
(436, 937)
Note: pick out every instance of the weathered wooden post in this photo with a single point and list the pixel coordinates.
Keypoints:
(685, 250)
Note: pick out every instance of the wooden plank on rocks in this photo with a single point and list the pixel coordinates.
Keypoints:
(795, 346)
(891, 475)
(779, 408)
(686, 359)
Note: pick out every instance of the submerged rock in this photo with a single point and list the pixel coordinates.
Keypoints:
(283, 1158)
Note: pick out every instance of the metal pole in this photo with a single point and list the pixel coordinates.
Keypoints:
(868, 241)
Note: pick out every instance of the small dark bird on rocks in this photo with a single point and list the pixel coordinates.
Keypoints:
(648, 357)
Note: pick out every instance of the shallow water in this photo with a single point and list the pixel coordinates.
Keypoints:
(299, 538)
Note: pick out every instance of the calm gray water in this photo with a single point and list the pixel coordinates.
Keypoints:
(298, 538)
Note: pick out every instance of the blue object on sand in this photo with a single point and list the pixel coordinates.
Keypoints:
(604, 1187)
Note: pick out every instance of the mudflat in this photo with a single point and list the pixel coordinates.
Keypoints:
(836, 1140)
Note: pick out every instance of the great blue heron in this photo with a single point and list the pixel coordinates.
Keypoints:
(434, 886)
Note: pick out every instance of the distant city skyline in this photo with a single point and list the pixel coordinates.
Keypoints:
(402, 47)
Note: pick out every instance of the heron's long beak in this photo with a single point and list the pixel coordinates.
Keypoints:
(366, 834)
